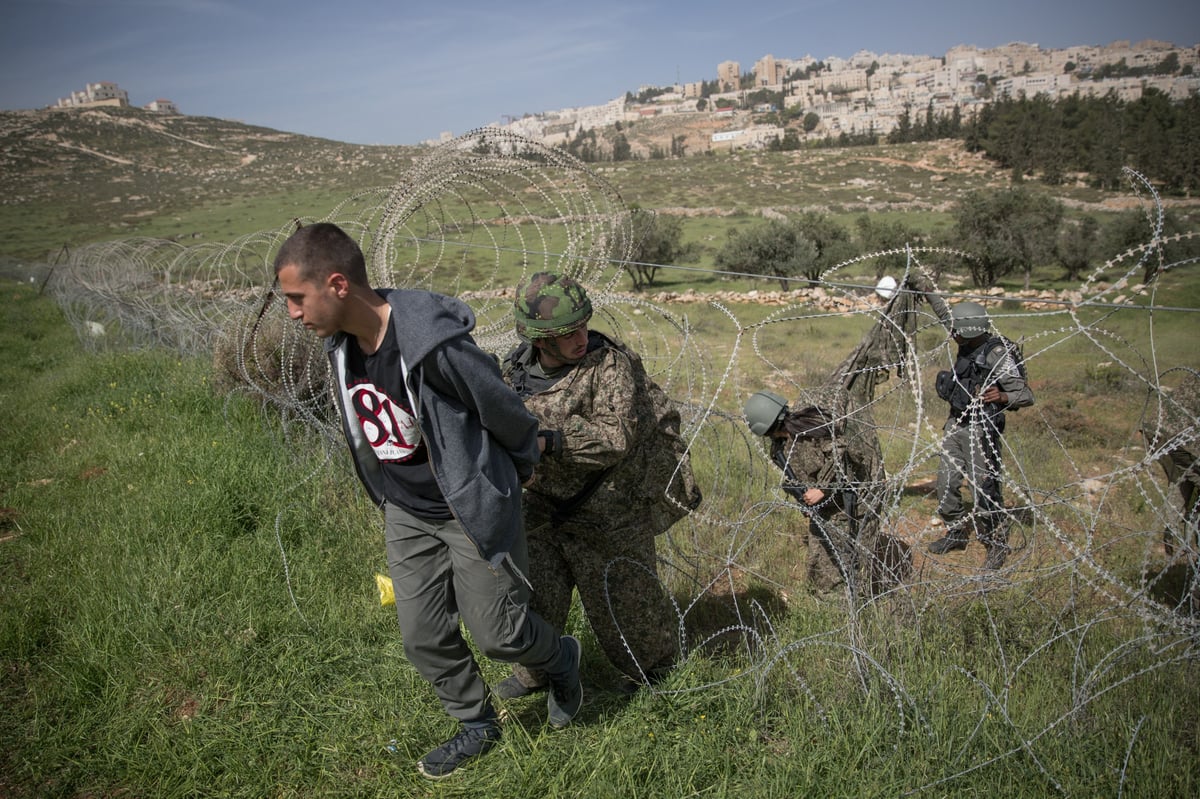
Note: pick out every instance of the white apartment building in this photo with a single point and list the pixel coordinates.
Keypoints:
(162, 107)
(101, 93)
(1052, 84)
(844, 80)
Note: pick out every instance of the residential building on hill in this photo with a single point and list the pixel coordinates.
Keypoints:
(729, 75)
(768, 71)
(868, 93)
(101, 93)
(107, 93)
(161, 107)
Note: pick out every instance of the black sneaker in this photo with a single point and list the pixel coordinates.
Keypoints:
(512, 688)
(470, 742)
(947, 544)
(566, 689)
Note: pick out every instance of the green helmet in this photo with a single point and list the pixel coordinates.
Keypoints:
(970, 319)
(550, 305)
(763, 410)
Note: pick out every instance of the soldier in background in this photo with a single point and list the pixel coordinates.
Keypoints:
(987, 379)
(844, 461)
(1172, 439)
(614, 473)
(824, 471)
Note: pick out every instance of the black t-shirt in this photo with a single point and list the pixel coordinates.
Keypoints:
(376, 386)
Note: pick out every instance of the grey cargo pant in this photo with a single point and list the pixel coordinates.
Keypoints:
(971, 453)
(439, 577)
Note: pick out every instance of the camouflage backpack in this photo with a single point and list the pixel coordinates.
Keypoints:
(664, 455)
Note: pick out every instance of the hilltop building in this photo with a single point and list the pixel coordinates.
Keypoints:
(107, 93)
(729, 75)
(768, 71)
(161, 107)
(102, 93)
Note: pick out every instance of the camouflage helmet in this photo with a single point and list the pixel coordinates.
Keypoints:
(550, 305)
(764, 409)
(970, 319)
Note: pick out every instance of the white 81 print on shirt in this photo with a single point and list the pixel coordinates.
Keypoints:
(389, 426)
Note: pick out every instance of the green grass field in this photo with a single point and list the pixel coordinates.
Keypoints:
(189, 608)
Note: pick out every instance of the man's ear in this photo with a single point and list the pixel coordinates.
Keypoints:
(339, 283)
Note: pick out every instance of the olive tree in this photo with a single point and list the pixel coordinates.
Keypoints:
(1007, 230)
(776, 248)
(657, 241)
(1077, 245)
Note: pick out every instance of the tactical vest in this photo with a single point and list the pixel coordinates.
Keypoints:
(971, 375)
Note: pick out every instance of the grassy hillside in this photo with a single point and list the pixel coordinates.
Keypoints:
(72, 177)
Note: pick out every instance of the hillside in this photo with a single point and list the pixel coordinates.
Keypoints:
(159, 155)
(75, 170)
(69, 177)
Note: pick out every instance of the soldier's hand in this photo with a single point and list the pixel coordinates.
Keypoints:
(813, 495)
(994, 394)
(918, 282)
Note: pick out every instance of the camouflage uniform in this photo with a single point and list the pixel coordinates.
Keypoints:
(843, 466)
(1171, 434)
(971, 444)
(594, 506)
(882, 560)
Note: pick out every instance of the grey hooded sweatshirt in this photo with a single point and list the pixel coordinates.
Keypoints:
(482, 442)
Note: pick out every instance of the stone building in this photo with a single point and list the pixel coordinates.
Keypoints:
(101, 93)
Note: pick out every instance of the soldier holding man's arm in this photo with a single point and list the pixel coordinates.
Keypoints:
(599, 497)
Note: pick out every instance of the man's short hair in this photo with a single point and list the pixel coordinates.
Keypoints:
(320, 250)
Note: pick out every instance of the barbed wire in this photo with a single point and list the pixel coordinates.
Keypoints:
(1098, 534)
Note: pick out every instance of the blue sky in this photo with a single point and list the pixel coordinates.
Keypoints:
(399, 72)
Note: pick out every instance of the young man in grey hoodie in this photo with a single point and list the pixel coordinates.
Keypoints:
(443, 446)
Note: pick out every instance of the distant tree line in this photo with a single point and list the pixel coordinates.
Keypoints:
(1008, 233)
(590, 147)
(1094, 137)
